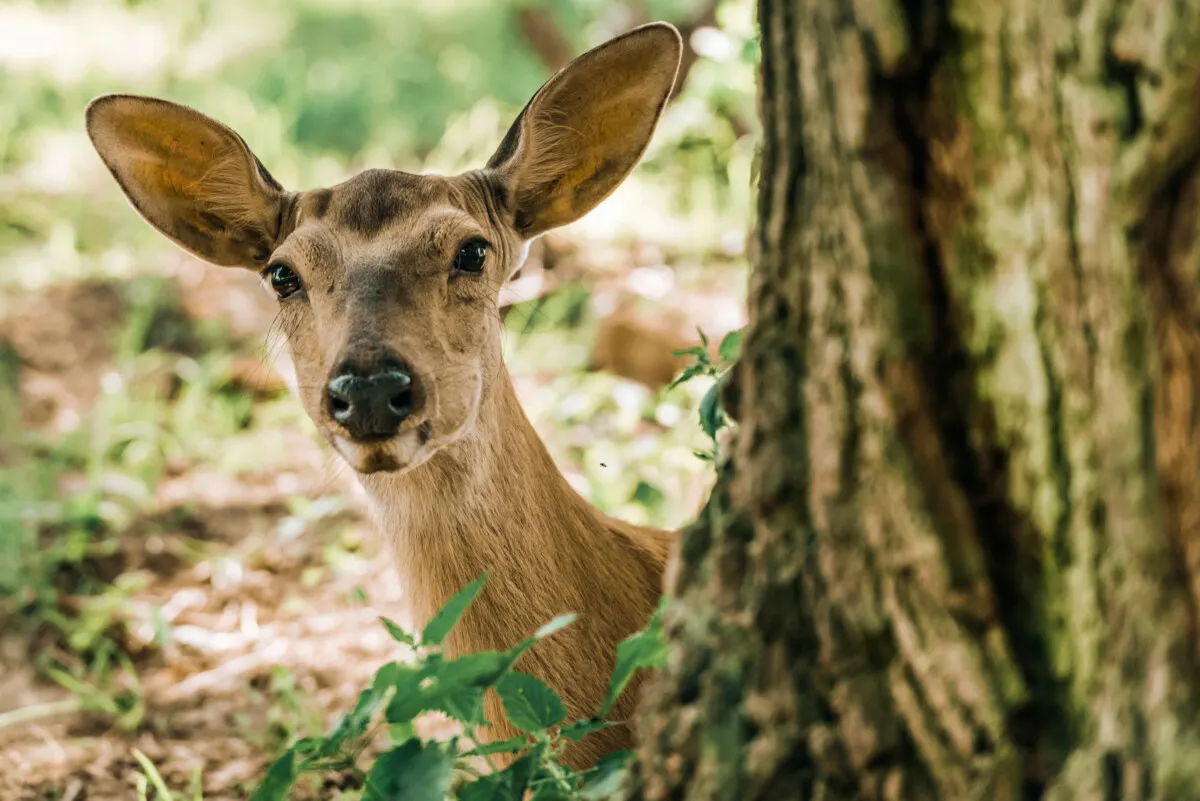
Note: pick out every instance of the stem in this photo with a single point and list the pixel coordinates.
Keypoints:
(35, 711)
(486, 757)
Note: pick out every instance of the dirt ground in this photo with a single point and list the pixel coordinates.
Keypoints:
(272, 613)
(244, 584)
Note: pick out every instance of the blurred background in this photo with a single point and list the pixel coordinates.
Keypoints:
(186, 577)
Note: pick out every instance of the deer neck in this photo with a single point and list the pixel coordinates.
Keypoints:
(494, 501)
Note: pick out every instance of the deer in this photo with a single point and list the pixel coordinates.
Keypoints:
(388, 289)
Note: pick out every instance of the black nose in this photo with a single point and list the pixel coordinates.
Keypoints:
(371, 407)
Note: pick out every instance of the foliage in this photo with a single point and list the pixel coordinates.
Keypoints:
(712, 415)
(419, 769)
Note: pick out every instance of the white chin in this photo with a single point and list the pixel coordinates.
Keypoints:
(398, 454)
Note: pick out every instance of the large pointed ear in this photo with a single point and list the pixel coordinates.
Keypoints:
(586, 128)
(190, 177)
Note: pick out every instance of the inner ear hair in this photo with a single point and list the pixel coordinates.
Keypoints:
(586, 129)
(191, 177)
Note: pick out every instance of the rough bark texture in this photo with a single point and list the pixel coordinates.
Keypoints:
(956, 551)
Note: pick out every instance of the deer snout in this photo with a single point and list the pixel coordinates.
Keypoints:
(371, 407)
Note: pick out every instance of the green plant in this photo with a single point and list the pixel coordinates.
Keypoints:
(416, 769)
(150, 777)
(101, 676)
(290, 711)
(712, 415)
(65, 579)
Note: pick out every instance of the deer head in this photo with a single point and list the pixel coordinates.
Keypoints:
(388, 283)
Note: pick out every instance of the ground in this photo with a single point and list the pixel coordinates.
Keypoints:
(202, 585)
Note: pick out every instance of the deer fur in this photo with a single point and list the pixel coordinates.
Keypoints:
(465, 486)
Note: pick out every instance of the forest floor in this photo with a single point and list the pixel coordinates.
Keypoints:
(197, 581)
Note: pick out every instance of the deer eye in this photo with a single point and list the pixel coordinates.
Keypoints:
(471, 256)
(283, 280)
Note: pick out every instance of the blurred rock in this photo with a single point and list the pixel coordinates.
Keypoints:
(639, 347)
(637, 342)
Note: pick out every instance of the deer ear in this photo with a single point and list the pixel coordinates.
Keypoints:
(190, 177)
(586, 128)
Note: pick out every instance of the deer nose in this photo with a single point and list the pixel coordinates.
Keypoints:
(371, 407)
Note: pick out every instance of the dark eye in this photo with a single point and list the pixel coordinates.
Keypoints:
(471, 256)
(283, 280)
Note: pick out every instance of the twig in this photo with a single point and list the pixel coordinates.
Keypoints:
(705, 17)
(545, 38)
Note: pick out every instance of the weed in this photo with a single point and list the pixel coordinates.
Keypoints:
(712, 416)
(419, 769)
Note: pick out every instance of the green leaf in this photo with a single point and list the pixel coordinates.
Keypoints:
(558, 623)
(445, 620)
(687, 375)
(490, 787)
(642, 650)
(455, 687)
(582, 728)
(551, 791)
(648, 495)
(514, 653)
(400, 733)
(416, 771)
(306, 747)
(511, 746)
(731, 347)
(465, 705)
(703, 339)
(481, 669)
(696, 351)
(530, 704)
(353, 725)
(398, 634)
(155, 778)
(711, 416)
(509, 784)
(410, 699)
(605, 779)
(279, 779)
(387, 676)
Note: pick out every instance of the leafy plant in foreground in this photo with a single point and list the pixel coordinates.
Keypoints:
(712, 416)
(415, 769)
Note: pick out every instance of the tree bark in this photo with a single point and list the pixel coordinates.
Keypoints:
(955, 551)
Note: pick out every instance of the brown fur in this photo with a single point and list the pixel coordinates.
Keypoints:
(465, 486)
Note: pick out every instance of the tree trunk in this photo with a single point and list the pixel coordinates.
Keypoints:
(955, 553)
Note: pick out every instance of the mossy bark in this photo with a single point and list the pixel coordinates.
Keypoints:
(955, 553)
